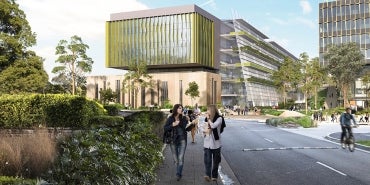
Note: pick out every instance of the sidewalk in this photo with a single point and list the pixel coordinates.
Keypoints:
(193, 170)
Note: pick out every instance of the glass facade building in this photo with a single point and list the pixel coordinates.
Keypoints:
(248, 59)
(175, 40)
(344, 21)
(179, 45)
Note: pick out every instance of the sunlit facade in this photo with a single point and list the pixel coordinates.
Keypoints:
(246, 73)
(175, 40)
(178, 44)
(344, 21)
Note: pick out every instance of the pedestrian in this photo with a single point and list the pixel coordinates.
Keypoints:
(212, 143)
(195, 120)
(177, 124)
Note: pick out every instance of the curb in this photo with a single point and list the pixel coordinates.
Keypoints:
(363, 147)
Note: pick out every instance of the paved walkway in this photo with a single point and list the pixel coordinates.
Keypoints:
(193, 171)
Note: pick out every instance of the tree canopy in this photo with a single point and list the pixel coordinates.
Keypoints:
(74, 63)
(287, 77)
(136, 78)
(313, 76)
(345, 62)
(21, 70)
(193, 90)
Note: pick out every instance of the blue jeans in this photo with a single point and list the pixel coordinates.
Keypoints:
(178, 152)
(212, 158)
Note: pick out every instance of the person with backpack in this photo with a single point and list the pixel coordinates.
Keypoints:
(213, 125)
(176, 125)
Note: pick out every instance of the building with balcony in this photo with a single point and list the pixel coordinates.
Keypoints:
(248, 59)
(344, 21)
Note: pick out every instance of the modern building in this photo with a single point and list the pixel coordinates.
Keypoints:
(179, 45)
(230, 60)
(344, 21)
(248, 58)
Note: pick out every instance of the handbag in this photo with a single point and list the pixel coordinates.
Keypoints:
(168, 137)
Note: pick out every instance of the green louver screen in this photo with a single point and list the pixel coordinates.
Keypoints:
(173, 39)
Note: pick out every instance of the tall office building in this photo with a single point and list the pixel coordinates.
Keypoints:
(248, 59)
(344, 21)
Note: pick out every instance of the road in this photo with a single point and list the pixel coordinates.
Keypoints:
(261, 154)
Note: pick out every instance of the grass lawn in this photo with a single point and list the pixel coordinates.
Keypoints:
(364, 142)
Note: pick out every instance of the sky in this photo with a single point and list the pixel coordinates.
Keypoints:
(293, 24)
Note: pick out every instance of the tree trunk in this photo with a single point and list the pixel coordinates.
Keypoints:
(73, 79)
(135, 95)
(305, 99)
(345, 95)
(316, 97)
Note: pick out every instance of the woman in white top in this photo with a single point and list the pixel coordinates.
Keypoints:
(212, 143)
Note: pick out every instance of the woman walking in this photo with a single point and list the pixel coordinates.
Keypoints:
(177, 124)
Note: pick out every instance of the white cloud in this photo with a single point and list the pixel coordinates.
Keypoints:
(54, 20)
(306, 7)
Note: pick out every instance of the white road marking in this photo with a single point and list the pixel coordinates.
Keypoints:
(331, 168)
(268, 140)
(286, 148)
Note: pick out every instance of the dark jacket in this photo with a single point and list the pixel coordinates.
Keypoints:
(168, 126)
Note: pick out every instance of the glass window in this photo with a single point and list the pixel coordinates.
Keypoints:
(367, 23)
(334, 12)
(366, 7)
(347, 10)
(367, 54)
(325, 12)
(354, 9)
(330, 27)
(339, 12)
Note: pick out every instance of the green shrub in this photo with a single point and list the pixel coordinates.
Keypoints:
(271, 112)
(126, 153)
(167, 104)
(5, 180)
(305, 121)
(105, 120)
(155, 118)
(112, 109)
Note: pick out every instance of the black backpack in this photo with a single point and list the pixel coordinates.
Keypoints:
(223, 125)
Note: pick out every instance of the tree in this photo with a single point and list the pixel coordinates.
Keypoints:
(136, 78)
(74, 62)
(21, 70)
(319, 77)
(287, 77)
(345, 63)
(107, 95)
(312, 77)
(25, 75)
(192, 91)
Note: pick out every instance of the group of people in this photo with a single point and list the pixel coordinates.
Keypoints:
(178, 122)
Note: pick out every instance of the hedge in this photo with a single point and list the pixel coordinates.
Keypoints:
(47, 110)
